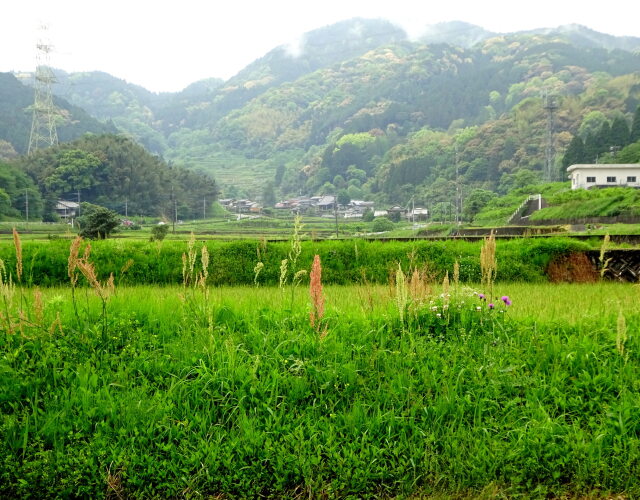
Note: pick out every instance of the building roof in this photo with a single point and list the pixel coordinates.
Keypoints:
(68, 205)
(326, 200)
(603, 166)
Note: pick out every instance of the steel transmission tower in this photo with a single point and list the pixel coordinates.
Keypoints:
(43, 124)
(550, 105)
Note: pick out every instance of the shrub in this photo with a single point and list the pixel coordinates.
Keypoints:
(159, 232)
(97, 222)
(382, 224)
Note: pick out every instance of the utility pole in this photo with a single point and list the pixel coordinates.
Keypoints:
(43, 122)
(550, 106)
(413, 212)
(204, 208)
(174, 212)
(458, 207)
(335, 212)
(26, 203)
(78, 203)
(126, 208)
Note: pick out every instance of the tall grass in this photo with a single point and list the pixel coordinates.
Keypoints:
(420, 389)
(344, 262)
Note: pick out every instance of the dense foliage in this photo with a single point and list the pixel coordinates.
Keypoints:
(17, 193)
(114, 172)
(344, 262)
(97, 222)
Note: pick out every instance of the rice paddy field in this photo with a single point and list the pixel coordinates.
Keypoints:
(418, 387)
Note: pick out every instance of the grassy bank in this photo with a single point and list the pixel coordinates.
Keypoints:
(230, 392)
(344, 261)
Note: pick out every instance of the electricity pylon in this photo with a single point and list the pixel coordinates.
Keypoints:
(550, 105)
(43, 123)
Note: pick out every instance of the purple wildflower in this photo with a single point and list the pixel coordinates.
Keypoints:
(506, 300)
(481, 296)
(491, 306)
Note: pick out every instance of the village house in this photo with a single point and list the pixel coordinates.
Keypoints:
(360, 206)
(67, 210)
(326, 203)
(599, 175)
(418, 214)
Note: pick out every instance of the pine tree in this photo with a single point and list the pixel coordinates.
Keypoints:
(575, 153)
(619, 132)
(591, 149)
(603, 138)
(634, 136)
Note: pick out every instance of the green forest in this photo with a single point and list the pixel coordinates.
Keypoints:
(109, 170)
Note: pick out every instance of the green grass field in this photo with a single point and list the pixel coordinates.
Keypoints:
(190, 391)
(275, 227)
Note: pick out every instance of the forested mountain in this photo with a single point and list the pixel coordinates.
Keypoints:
(15, 117)
(144, 116)
(359, 107)
(115, 172)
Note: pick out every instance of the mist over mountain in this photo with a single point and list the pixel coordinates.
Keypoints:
(360, 106)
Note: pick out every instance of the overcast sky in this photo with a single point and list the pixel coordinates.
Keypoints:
(164, 45)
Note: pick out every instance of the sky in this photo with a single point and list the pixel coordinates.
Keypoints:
(164, 45)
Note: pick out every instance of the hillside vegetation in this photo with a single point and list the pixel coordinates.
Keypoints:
(358, 107)
(114, 172)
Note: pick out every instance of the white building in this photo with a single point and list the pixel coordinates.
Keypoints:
(599, 175)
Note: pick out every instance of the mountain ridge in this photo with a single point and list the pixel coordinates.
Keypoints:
(286, 110)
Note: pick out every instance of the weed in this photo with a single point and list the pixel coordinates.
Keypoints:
(317, 297)
(603, 261)
(488, 263)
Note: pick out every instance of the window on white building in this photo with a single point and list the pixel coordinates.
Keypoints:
(611, 179)
(631, 178)
(591, 179)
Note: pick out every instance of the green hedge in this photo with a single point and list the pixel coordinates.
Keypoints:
(344, 261)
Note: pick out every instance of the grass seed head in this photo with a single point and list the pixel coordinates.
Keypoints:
(256, 272)
(401, 293)
(18, 245)
(72, 261)
(38, 305)
(315, 290)
(283, 272)
(488, 263)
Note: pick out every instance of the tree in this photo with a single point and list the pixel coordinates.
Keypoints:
(382, 224)
(355, 193)
(97, 222)
(280, 169)
(634, 136)
(591, 124)
(114, 172)
(619, 132)
(7, 151)
(76, 170)
(343, 197)
(269, 194)
(575, 152)
(476, 201)
(159, 232)
(522, 178)
(368, 215)
(21, 192)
